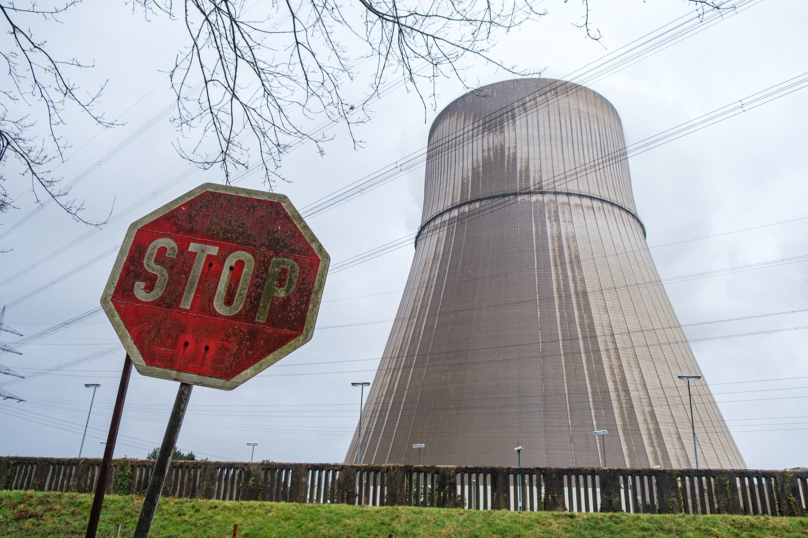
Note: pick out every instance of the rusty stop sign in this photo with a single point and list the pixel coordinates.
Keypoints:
(208, 290)
(216, 286)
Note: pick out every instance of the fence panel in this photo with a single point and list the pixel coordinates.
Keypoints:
(640, 491)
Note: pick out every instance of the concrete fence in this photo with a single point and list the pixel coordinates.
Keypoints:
(638, 491)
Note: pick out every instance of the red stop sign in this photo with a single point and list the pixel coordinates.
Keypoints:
(216, 286)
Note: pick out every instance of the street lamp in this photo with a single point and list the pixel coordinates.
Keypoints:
(361, 384)
(690, 378)
(519, 476)
(93, 386)
(600, 433)
(253, 445)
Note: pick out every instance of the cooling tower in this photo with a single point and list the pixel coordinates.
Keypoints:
(533, 314)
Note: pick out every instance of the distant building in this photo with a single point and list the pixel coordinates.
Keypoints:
(533, 314)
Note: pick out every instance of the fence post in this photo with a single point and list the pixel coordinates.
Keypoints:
(109, 487)
(300, 483)
(268, 476)
(208, 480)
(347, 487)
(554, 490)
(499, 483)
(338, 494)
(734, 493)
(722, 498)
(5, 470)
(40, 474)
(252, 480)
(441, 480)
(451, 487)
(610, 491)
(448, 487)
(668, 496)
(788, 493)
(74, 484)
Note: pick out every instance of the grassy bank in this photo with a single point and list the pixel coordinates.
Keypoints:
(34, 514)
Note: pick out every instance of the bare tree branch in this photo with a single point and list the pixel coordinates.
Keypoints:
(263, 78)
(248, 87)
(38, 82)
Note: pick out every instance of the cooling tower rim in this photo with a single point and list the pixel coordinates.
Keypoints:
(526, 194)
(527, 80)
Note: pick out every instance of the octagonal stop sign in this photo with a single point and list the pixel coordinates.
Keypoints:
(216, 286)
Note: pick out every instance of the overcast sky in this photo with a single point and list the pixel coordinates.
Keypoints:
(746, 172)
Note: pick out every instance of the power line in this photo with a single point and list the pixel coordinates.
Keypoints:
(64, 276)
(83, 317)
(93, 167)
(615, 61)
(98, 163)
(370, 182)
(703, 425)
(678, 242)
(504, 404)
(495, 203)
(58, 327)
(118, 216)
(68, 364)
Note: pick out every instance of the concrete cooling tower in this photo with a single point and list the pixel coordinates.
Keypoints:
(534, 314)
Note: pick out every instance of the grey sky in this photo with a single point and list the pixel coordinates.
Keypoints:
(747, 171)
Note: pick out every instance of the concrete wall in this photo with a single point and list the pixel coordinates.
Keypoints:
(773, 493)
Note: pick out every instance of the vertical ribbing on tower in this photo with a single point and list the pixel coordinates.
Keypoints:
(533, 311)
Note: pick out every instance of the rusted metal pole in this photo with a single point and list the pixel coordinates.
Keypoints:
(160, 470)
(112, 436)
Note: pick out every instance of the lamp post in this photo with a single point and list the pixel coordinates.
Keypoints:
(690, 378)
(253, 445)
(601, 433)
(93, 386)
(361, 384)
(519, 477)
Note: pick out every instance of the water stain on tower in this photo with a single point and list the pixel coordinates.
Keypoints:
(533, 314)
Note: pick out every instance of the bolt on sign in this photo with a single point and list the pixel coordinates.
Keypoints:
(216, 286)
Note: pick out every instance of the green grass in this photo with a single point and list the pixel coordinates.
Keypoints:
(35, 514)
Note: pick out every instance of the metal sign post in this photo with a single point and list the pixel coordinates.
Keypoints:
(210, 290)
(419, 446)
(112, 437)
(519, 476)
(160, 469)
(599, 435)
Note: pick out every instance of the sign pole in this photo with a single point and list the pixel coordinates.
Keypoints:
(160, 470)
(169, 291)
(419, 446)
(112, 437)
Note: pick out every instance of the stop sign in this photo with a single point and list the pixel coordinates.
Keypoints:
(216, 286)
